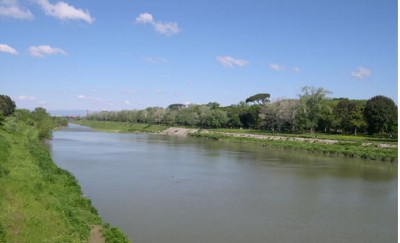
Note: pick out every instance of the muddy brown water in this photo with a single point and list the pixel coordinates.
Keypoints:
(160, 188)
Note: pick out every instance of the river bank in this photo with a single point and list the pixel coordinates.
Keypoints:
(40, 202)
(331, 145)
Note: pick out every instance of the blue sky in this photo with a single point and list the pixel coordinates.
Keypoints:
(114, 55)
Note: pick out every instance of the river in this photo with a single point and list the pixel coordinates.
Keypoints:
(163, 189)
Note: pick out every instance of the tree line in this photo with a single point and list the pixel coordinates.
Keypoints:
(39, 118)
(313, 111)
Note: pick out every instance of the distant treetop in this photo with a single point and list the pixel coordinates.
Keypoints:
(261, 98)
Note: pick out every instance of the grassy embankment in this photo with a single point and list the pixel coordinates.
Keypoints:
(356, 147)
(365, 147)
(40, 202)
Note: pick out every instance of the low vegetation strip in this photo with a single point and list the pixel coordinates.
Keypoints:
(39, 202)
(370, 148)
(332, 148)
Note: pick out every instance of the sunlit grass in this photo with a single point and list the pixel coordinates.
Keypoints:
(39, 202)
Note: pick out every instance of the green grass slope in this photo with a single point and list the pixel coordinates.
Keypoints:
(40, 202)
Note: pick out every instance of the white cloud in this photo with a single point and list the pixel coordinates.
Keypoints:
(81, 97)
(165, 28)
(156, 60)
(229, 62)
(8, 49)
(361, 73)
(128, 103)
(144, 18)
(276, 67)
(11, 8)
(63, 10)
(43, 50)
(26, 98)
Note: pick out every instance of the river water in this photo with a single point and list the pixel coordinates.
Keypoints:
(163, 189)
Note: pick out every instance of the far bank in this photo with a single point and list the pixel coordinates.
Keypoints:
(365, 147)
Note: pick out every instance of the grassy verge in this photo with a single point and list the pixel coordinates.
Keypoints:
(108, 126)
(364, 147)
(342, 137)
(40, 202)
(343, 148)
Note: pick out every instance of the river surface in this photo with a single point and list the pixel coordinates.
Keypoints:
(163, 189)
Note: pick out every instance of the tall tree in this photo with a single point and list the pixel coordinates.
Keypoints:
(280, 115)
(311, 107)
(349, 114)
(381, 114)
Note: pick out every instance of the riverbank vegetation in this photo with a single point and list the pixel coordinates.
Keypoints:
(312, 112)
(39, 202)
(361, 128)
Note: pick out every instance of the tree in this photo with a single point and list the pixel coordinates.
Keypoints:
(7, 106)
(380, 114)
(349, 114)
(209, 117)
(233, 114)
(312, 107)
(280, 115)
(249, 116)
(261, 98)
(188, 116)
(170, 117)
(176, 106)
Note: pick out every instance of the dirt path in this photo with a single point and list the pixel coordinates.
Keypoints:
(269, 137)
(178, 131)
(299, 139)
(95, 235)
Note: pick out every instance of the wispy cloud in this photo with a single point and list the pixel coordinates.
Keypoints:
(43, 50)
(11, 8)
(276, 67)
(230, 62)
(8, 49)
(26, 98)
(296, 69)
(90, 98)
(64, 11)
(165, 28)
(155, 60)
(361, 73)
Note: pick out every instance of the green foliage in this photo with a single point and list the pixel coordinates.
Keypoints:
(249, 116)
(2, 118)
(113, 235)
(344, 148)
(280, 115)
(39, 202)
(349, 114)
(313, 111)
(7, 106)
(312, 107)
(381, 114)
